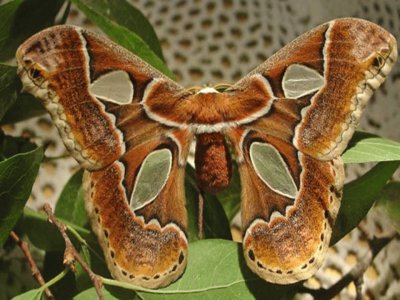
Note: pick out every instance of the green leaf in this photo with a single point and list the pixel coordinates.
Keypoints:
(106, 16)
(389, 203)
(221, 274)
(17, 175)
(192, 207)
(65, 287)
(70, 206)
(20, 19)
(215, 223)
(366, 147)
(40, 232)
(8, 93)
(230, 197)
(10, 146)
(96, 263)
(35, 294)
(109, 293)
(216, 270)
(82, 280)
(14, 106)
(359, 196)
(25, 107)
(126, 15)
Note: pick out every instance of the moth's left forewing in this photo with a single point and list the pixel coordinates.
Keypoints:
(94, 90)
(54, 66)
(289, 158)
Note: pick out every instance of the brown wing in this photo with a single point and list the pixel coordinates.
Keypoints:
(322, 82)
(144, 243)
(289, 159)
(287, 226)
(94, 90)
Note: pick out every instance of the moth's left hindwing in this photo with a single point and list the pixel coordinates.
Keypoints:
(289, 159)
(134, 190)
(137, 209)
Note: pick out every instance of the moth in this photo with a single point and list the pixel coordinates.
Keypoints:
(286, 123)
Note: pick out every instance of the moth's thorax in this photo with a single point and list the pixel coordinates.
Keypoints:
(231, 107)
(208, 110)
(207, 107)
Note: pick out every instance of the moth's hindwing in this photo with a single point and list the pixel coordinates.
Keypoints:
(139, 215)
(289, 204)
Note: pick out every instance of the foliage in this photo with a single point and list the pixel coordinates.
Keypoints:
(389, 203)
(221, 273)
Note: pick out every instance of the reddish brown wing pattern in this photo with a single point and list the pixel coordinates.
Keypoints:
(111, 138)
(148, 246)
(321, 83)
(288, 122)
(353, 57)
(286, 238)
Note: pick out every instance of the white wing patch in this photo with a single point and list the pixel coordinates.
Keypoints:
(151, 178)
(208, 90)
(115, 86)
(272, 169)
(300, 80)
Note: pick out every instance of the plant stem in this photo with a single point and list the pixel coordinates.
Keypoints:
(32, 264)
(71, 254)
(83, 242)
(55, 279)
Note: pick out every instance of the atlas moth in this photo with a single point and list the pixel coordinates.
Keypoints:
(287, 123)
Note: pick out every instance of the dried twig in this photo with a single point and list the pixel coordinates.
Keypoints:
(71, 254)
(34, 269)
(354, 275)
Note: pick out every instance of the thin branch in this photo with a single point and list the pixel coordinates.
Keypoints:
(52, 158)
(200, 217)
(71, 254)
(56, 278)
(34, 269)
(358, 283)
(354, 275)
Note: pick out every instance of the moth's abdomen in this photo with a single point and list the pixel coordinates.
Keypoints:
(213, 162)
